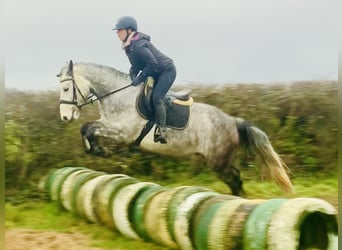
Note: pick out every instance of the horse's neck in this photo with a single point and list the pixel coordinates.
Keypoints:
(104, 80)
(118, 103)
(118, 112)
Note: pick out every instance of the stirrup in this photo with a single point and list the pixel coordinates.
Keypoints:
(159, 136)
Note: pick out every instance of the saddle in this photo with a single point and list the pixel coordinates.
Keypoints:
(177, 108)
(177, 105)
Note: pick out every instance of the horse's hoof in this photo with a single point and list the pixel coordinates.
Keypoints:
(100, 151)
(106, 152)
(96, 151)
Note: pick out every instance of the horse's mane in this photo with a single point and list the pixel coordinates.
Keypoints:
(101, 75)
(100, 67)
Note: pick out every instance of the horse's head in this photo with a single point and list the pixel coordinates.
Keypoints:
(74, 90)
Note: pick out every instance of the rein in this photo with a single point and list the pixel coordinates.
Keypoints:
(105, 95)
(86, 102)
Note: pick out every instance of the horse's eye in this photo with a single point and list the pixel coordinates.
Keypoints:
(66, 89)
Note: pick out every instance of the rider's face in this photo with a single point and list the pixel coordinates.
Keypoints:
(122, 34)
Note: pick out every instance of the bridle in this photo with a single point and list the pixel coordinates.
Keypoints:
(89, 99)
(75, 89)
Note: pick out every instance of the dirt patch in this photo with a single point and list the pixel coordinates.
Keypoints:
(19, 239)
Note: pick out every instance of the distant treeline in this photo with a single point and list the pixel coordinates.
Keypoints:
(300, 120)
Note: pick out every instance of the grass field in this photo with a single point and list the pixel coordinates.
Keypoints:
(48, 216)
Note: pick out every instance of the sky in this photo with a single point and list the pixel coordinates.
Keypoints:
(210, 41)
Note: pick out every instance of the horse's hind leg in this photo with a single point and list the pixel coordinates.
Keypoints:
(230, 175)
(91, 142)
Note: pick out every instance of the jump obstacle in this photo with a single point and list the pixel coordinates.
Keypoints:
(192, 217)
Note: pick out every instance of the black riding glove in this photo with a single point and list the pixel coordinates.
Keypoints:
(133, 73)
(139, 79)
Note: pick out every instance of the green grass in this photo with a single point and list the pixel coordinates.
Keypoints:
(45, 216)
(326, 189)
(49, 216)
(319, 186)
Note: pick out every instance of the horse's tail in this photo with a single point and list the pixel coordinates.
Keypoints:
(256, 143)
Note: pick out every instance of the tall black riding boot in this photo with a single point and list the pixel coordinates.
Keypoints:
(160, 115)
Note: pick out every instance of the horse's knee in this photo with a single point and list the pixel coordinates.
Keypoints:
(84, 129)
(88, 138)
(91, 142)
(88, 129)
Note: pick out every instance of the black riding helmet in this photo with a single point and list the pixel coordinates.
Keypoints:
(126, 22)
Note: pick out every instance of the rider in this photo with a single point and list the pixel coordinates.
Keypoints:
(146, 60)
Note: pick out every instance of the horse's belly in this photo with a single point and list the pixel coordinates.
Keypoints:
(169, 148)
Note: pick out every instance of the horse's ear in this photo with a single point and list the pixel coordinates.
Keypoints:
(70, 68)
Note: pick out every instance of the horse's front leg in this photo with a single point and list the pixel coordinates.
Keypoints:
(92, 141)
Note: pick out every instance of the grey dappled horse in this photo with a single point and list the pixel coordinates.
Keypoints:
(210, 132)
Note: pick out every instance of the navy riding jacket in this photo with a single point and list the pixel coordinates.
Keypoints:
(145, 57)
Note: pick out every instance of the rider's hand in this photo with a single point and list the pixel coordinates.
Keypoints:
(139, 79)
(133, 73)
(136, 81)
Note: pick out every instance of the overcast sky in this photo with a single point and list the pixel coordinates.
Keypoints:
(211, 41)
